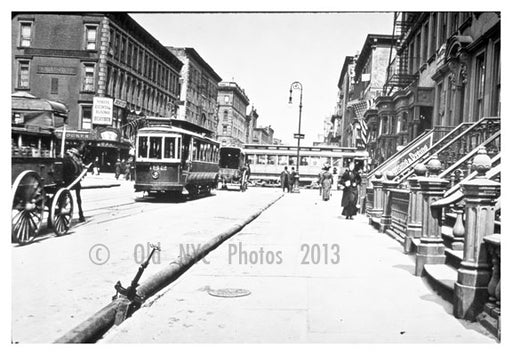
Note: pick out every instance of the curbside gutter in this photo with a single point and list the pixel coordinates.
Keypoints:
(93, 328)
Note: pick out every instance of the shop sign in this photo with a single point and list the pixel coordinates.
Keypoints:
(120, 103)
(102, 110)
(108, 135)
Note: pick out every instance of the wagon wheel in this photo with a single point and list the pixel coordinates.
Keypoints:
(61, 211)
(28, 201)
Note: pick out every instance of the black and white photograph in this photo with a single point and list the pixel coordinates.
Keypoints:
(272, 175)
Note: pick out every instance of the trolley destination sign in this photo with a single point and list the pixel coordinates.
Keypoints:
(298, 135)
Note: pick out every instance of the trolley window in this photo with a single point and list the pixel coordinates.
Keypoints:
(170, 151)
(155, 147)
(271, 160)
(283, 160)
(292, 160)
(261, 159)
(143, 147)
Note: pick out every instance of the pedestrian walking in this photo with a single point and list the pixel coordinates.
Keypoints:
(326, 181)
(285, 179)
(350, 180)
(127, 170)
(132, 169)
(118, 168)
(72, 168)
(293, 179)
(96, 166)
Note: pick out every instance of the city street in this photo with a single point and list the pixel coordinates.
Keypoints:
(312, 276)
(58, 282)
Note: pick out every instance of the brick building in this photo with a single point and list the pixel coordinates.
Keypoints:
(198, 90)
(233, 102)
(80, 58)
(263, 135)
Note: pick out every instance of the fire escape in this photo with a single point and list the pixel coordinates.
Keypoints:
(398, 72)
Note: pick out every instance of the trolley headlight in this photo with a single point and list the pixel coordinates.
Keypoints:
(155, 174)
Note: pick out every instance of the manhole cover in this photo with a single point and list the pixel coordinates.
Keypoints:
(229, 292)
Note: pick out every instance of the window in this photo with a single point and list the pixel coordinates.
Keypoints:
(425, 43)
(90, 37)
(496, 103)
(54, 89)
(433, 36)
(88, 77)
(443, 18)
(226, 99)
(304, 161)
(169, 148)
(455, 22)
(224, 129)
(143, 147)
(417, 54)
(24, 74)
(282, 160)
(86, 117)
(129, 55)
(271, 160)
(261, 159)
(116, 46)
(25, 34)
(155, 147)
(123, 49)
(479, 86)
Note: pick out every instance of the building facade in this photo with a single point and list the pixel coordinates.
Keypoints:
(361, 80)
(446, 71)
(198, 90)
(345, 94)
(233, 103)
(263, 135)
(102, 59)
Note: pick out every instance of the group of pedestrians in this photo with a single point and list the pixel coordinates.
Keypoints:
(350, 180)
(289, 180)
(124, 167)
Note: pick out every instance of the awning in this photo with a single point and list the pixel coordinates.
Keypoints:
(22, 101)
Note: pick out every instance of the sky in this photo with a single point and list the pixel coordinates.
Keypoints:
(265, 52)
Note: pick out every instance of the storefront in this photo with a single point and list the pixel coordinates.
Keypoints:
(104, 143)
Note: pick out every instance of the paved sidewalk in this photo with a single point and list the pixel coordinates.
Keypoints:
(367, 295)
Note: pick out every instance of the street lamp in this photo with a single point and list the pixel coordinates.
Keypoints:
(297, 86)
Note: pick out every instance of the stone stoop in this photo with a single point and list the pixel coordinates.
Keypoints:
(490, 319)
(442, 278)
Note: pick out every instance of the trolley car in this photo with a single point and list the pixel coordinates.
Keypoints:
(231, 168)
(36, 174)
(268, 161)
(175, 157)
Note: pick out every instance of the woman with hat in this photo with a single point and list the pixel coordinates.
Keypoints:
(350, 179)
(326, 180)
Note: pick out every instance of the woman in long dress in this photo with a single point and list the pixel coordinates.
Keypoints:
(350, 180)
(326, 181)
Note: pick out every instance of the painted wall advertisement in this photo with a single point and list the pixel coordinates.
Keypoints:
(407, 155)
(102, 110)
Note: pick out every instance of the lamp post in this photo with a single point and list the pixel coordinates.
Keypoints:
(297, 86)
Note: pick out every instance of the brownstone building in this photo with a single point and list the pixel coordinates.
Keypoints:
(198, 90)
(446, 71)
(81, 59)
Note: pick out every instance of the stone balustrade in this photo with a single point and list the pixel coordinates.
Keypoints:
(491, 315)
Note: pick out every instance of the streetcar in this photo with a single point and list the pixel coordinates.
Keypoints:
(268, 161)
(37, 184)
(175, 157)
(232, 170)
